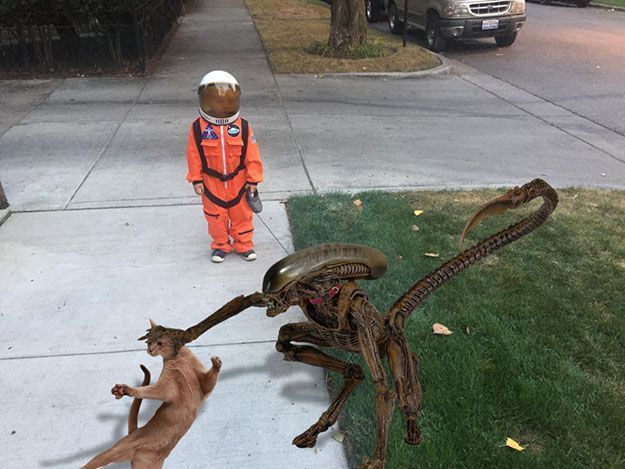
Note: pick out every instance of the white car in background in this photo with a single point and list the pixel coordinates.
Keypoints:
(454, 20)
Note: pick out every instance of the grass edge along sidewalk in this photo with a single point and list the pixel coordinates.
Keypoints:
(538, 327)
(290, 28)
(619, 4)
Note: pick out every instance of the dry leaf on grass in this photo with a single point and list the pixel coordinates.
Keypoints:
(431, 254)
(357, 202)
(415, 228)
(510, 443)
(439, 329)
(338, 435)
(418, 212)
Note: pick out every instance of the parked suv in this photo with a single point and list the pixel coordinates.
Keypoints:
(445, 20)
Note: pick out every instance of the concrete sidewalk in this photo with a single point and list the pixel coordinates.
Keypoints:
(105, 232)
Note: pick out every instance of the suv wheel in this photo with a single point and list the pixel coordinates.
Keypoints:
(372, 11)
(505, 41)
(433, 37)
(395, 25)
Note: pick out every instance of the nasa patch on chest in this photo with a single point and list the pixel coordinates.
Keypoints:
(233, 130)
(209, 134)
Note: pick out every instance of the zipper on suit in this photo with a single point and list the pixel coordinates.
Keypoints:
(223, 151)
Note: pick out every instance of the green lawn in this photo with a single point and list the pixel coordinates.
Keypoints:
(538, 350)
(618, 3)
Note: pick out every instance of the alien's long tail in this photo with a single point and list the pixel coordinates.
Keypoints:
(133, 414)
(404, 306)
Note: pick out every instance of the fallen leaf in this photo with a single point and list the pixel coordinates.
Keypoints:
(338, 435)
(510, 443)
(418, 212)
(415, 228)
(431, 254)
(357, 202)
(439, 329)
(399, 258)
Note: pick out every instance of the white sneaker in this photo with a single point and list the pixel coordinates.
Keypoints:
(218, 256)
(248, 255)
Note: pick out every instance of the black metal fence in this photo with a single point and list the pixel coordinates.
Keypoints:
(82, 36)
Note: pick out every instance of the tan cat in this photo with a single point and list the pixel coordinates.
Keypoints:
(183, 385)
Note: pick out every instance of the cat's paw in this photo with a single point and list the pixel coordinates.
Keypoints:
(216, 362)
(121, 390)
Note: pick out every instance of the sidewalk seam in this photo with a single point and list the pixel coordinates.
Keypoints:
(284, 109)
(545, 120)
(109, 352)
(286, 251)
(106, 144)
(27, 113)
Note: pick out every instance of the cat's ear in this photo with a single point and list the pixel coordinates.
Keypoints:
(150, 331)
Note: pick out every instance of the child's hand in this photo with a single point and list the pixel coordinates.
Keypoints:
(198, 187)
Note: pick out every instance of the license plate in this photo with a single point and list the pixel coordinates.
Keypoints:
(490, 24)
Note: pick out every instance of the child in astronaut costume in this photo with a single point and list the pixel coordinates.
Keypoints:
(224, 166)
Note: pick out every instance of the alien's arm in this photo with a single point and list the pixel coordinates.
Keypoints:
(230, 309)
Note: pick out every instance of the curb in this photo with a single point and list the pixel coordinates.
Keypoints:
(441, 70)
(4, 215)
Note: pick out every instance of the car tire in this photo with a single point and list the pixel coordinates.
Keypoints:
(394, 23)
(433, 37)
(505, 41)
(373, 11)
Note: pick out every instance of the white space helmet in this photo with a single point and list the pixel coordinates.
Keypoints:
(219, 94)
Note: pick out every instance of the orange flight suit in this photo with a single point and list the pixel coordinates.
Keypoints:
(225, 158)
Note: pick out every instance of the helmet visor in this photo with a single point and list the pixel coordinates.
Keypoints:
(220, 100)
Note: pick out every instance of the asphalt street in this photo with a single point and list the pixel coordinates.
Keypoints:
(569, 56)
(572, 57)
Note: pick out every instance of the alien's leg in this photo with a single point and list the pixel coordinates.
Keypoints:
(352, 373)
(404, 367)
(384, 396)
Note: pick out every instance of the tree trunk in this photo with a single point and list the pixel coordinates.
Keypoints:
(348, 27)
(3, 199)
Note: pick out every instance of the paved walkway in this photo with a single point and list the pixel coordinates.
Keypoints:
(106, 233)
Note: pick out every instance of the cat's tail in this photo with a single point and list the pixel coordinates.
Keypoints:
(133, 415)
